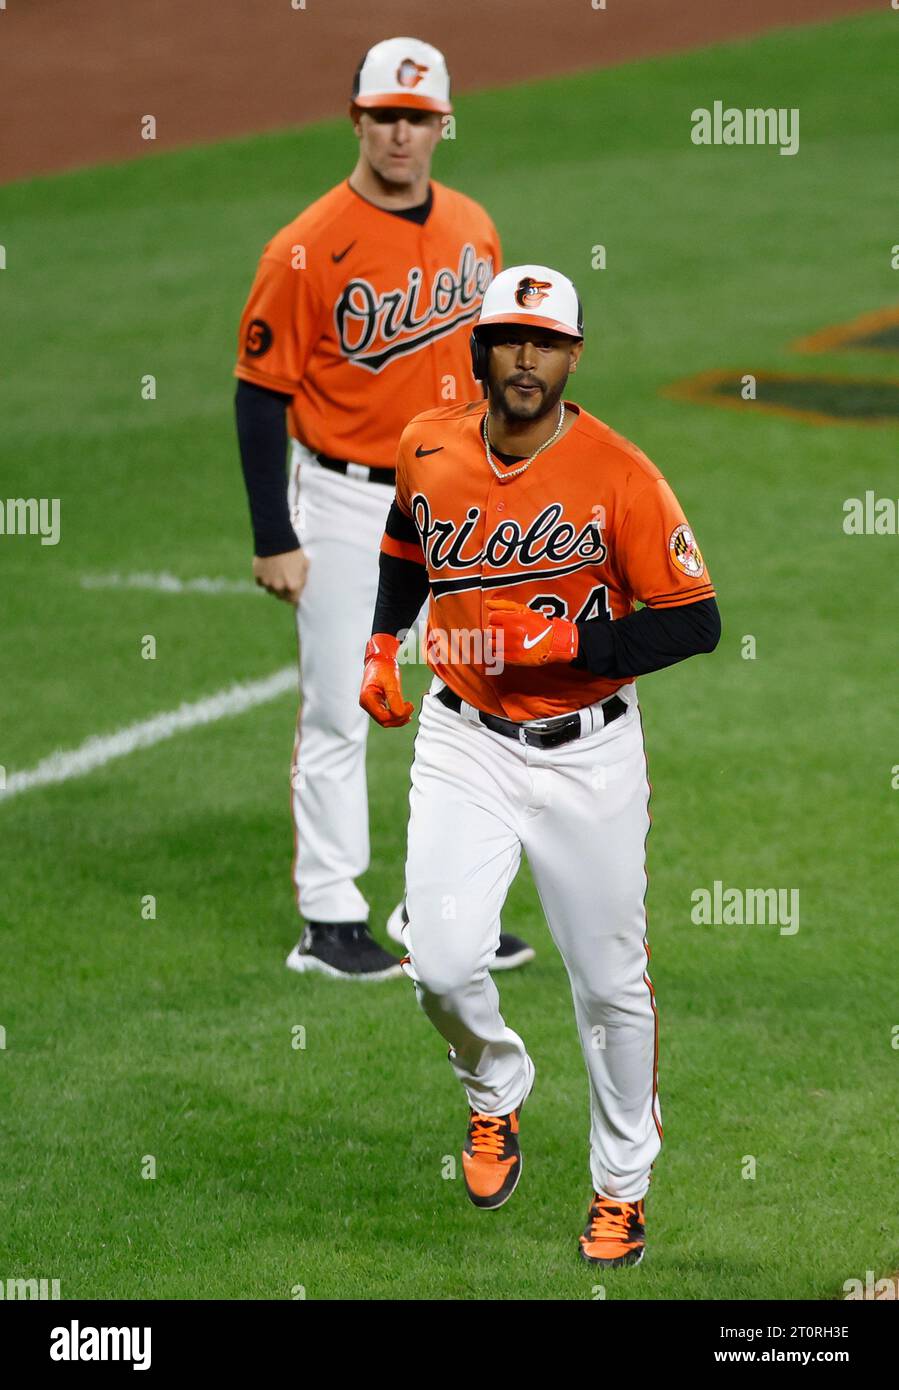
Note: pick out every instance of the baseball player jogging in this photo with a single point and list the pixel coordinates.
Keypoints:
(536, 528)
(359, 316)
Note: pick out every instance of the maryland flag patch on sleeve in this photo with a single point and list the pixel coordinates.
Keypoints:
(685, 553)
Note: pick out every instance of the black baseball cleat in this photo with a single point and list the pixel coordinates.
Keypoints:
(512, 950)
(615, 1234)
(343, 950)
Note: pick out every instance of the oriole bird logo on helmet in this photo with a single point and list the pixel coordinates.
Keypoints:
(529, 293)
(409, 73)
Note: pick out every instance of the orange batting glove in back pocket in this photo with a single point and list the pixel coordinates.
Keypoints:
(381, 695)
(524, 636)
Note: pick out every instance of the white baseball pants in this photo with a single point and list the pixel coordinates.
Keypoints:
(339, 521)
(580, 812)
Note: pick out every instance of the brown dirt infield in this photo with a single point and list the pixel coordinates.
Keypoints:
(76, 76)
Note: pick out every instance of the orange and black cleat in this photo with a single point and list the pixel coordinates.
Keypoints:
(491, 1158)
(615, 1233)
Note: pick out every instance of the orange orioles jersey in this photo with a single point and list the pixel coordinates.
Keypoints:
(587, 531)
(347, 300)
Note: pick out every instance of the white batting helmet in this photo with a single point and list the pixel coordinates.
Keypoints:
(529, 294)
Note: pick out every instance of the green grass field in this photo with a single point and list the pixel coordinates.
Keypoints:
(124, 1038)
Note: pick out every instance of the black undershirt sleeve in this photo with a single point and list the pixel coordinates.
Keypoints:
(402, 589)
(647, 640)
(403, 585)
(262, 435)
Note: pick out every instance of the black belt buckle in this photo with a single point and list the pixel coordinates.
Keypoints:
(551, 738)
(531, 735)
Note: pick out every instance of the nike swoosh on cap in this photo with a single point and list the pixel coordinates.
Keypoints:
(420, 452)
(529, 642)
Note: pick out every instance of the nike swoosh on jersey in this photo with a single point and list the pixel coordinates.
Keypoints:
(338, 256)
(528, 642)
(420, 452)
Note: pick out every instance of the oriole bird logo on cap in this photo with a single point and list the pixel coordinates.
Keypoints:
(529, 293)
(409, 73)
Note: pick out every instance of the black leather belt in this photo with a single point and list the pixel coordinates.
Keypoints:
(371, 475)
(562, 729)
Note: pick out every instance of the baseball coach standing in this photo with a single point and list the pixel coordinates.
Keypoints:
(358, 318)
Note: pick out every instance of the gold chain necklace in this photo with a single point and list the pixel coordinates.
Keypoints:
(505, 473)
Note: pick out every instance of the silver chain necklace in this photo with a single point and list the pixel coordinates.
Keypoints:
(504, 473)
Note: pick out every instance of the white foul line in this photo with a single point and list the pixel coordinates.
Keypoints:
(100, 749)
(169, 584)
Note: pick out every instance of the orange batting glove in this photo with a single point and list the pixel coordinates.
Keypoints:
(381, 695)
(524, 636)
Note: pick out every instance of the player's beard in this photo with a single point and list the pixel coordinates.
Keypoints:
(513, 408)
